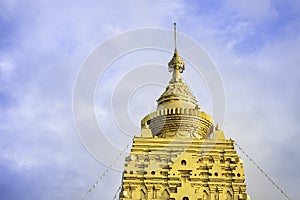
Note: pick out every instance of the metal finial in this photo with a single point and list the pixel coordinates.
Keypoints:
(176, 64)
(175, 41)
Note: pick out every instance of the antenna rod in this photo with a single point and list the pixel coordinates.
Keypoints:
(175, 42)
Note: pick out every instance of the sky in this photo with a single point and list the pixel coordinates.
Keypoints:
(255, 46)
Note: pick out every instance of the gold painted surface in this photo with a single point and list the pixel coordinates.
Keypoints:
(168, 168)
(180, 155)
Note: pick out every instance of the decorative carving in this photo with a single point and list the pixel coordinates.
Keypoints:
(228, 196)
(205, 195)
(165, 194)
(217, 194)
(175, 164)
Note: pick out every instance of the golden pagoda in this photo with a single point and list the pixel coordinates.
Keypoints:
(180, 154)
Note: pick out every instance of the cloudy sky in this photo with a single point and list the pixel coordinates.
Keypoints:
(43, 44)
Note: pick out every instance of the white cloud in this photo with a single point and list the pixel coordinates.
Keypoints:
(255, 10)
(6, 70)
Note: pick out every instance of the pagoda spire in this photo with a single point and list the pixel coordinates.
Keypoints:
(175, 39)
(176, 64)
(177, 93)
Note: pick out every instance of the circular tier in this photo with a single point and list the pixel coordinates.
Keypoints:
(176, 95)
(179, 122)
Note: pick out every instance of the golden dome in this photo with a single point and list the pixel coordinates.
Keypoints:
(178, 113)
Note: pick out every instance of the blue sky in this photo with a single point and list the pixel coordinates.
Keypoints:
(255, 46)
